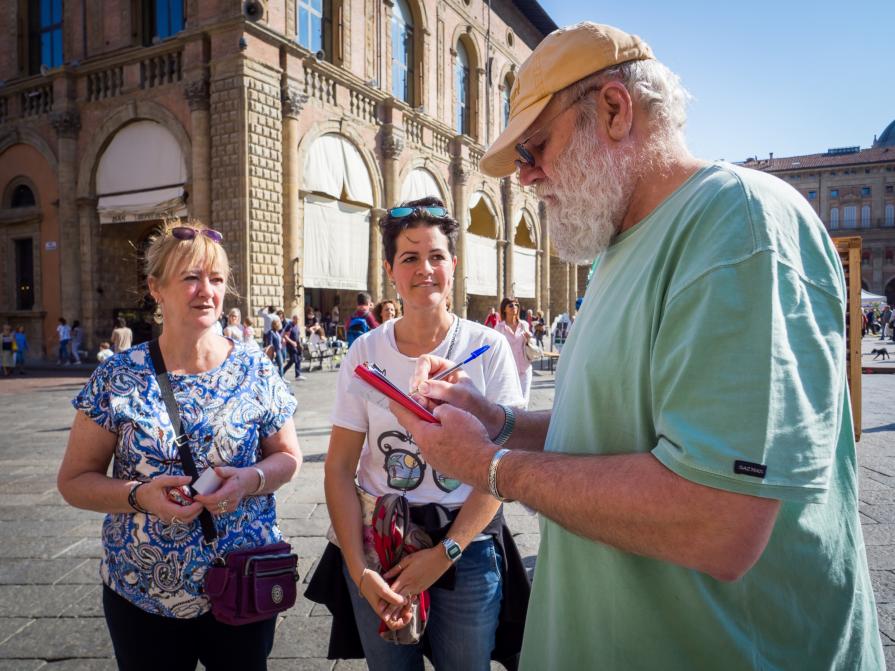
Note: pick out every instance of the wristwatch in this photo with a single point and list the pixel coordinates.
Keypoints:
(452, 549)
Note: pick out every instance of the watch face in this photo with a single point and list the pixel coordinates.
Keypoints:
(453, 551)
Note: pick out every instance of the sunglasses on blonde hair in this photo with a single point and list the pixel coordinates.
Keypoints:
(190, 233)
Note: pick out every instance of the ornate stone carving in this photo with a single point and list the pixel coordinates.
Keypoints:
(196, 93)
(461, 171)
(392, 142)
(67, 123)
(293, 101)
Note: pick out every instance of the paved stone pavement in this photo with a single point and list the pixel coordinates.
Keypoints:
(50, 610)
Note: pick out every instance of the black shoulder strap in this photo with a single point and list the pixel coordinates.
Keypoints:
(182, 440)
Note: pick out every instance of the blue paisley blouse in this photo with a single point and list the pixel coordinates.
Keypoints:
(226, 411)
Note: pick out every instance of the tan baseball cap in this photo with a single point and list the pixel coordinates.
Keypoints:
(562, 58)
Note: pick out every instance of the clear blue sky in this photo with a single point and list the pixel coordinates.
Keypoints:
(787, 76)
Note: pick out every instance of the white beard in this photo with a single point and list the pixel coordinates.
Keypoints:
(591, 190)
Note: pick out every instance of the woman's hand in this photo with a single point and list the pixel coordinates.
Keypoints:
(238, 483)
(391, 607)
(153, 496)
(417, 571)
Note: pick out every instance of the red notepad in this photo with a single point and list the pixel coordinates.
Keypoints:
(373, 377)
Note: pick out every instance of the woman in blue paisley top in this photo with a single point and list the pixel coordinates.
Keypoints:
(237, 414)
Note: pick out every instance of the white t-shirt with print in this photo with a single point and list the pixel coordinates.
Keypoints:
(390, 461)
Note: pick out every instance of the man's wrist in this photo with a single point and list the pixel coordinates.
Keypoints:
(495, 419)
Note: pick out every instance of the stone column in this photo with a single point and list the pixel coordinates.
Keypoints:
(504, 284)
(461, 174)
(91, 257)
(392, 145)
(196, 93)
(544, 298)
(293, 101)
(379, 287)
(509, 232)
(67, 124)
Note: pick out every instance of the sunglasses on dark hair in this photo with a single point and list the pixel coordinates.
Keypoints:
(401, 212)
(190, 233)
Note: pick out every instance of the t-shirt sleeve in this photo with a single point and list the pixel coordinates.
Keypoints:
(501, 375)
(748, 381)
(280, 402)
(95, 399)
(350, 410)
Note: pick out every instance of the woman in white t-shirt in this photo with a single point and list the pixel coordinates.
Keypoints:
(368, 445)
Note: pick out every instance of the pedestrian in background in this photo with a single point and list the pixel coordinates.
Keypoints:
(7, 350)
(292, 341)
(267, 316)
(122, 337)
(234, 328)
(21, 349)
(517, 333)
(77, 338)
(385, 310)
(237, 419)
(492, 318)
(105, 352)
(63, 332)
(274, 348)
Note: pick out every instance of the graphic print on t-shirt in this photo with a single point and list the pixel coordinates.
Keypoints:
(405, 469)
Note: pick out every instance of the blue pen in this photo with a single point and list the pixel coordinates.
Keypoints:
(443, 374)
(475, 355)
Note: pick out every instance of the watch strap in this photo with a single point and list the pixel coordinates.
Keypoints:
(509, 423)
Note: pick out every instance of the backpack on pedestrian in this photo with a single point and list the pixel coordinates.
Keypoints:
(357, 327)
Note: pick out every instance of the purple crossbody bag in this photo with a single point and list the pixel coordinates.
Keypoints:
(244, 586)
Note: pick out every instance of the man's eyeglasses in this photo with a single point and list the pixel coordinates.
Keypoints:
(190, 233)
(401, 212)
(526, 158)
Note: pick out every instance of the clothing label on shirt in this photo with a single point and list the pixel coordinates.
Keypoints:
(748, 468)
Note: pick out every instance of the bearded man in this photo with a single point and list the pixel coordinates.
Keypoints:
(696, 477)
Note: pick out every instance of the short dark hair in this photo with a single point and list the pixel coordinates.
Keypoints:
(363, 298)
(392, 227)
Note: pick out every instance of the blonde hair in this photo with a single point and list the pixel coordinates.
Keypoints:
(166, 254)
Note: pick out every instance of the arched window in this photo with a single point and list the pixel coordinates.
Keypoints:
(311, 22)
(22, 196)
(834, 218)
(461, 82)
(865, 216)
(505, 99)
(402, 52)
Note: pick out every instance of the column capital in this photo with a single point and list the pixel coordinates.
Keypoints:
(293, 101)
(460, 171)
(67, 123)
(392, 142)
(196, 93)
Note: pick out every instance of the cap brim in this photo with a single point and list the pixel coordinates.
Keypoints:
(500, 159)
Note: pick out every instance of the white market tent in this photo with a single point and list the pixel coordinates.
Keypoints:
(868, 298)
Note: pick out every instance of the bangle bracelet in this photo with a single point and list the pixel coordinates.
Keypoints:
(492, 474)
(132, 499)
(509, 423)
(262, 482)
(360, 583)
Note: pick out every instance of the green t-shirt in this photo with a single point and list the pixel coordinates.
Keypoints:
(711, 333)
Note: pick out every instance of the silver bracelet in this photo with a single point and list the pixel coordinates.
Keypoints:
(492, 474)
(262, 483)
(509, 423)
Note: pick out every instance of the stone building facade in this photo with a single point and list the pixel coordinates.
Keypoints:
(289, 125)
(853, 192)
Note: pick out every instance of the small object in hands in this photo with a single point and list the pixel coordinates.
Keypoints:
(182, 495)
(207, 483)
